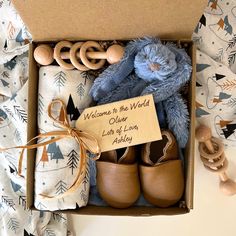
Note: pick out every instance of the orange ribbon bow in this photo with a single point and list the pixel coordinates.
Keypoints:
(86, 141)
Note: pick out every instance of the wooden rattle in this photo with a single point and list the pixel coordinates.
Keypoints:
(213, 157)
(45, 55)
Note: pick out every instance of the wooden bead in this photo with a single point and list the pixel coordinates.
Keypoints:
(203, 133)
(115, 53)
(43, 54)
(228, 187)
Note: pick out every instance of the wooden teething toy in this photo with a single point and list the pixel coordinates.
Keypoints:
(80, 51)
(213, 157)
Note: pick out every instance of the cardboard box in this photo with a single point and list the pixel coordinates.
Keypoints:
(107, 20)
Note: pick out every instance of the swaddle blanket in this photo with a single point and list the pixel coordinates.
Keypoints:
(57, 163)
(216, 98)
(15, 218)
(215, 36)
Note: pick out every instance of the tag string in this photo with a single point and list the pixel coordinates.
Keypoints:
(86, 142)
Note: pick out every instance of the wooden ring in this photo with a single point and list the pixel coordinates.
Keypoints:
(220, 169)
(84, 59)
(74, 59)
(57, 54)
(211, 156)
(215, 163)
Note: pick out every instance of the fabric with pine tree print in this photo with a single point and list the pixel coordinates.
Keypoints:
(13, 75)
(57, 163)
(215, 37)
(14, 36)
(216, 98)
(215, 34)
(15, 218)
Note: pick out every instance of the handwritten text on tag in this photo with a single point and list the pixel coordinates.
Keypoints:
(120, 124)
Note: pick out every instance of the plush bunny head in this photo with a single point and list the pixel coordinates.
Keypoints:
(154, 62)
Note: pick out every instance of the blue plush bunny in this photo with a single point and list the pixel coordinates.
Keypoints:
(149, 67)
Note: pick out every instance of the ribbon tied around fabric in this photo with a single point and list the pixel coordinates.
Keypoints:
(87, 143)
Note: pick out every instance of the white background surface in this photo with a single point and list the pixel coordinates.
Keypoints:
(214, 214)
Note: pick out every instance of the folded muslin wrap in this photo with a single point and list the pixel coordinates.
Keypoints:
(57, 163)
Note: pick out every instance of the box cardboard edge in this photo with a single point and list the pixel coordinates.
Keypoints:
(119, 18)
(93, 210)
(190, 171)
(32, 128)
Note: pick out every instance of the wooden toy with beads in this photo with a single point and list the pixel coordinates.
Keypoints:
(213, 157)
(80, 51)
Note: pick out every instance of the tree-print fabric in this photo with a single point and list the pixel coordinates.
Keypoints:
(215, 36)
(57, 163)
(15, 218)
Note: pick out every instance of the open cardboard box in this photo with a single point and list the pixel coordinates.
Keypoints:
(52, 21)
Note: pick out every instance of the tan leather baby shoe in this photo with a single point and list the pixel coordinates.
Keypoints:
(161, 173)
(117, 177)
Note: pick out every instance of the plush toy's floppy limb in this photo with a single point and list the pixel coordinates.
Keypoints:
(116, 73)
(161, 115)
(177, 118)
(131, 87)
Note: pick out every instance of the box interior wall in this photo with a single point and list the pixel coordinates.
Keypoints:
(96, 210)
(110, 19)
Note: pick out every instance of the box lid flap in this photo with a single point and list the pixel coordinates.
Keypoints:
(109, 19)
